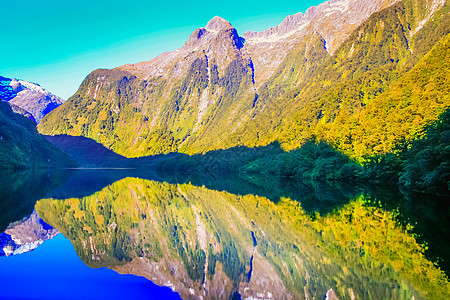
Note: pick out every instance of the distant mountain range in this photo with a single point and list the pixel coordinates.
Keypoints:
(360, 75)
(27, 98)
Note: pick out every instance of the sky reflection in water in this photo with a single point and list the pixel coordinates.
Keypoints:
(54, 271)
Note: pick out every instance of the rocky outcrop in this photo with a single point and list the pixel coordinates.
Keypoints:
(31, 97)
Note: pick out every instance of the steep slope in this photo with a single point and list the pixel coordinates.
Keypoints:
(21, 146)
(23, 112)
(152, 107)
(287, 83)
(29, 96)
(366, 97)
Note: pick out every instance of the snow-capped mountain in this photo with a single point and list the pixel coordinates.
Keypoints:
(28, 96)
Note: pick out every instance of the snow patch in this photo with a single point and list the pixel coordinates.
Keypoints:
(351, 50)
(213, 31)
(327, 295)
(116, 109)
(170, 285)
(25, 248)
(435, 6)
(31, 86)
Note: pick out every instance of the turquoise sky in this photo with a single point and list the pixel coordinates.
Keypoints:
(57, 43)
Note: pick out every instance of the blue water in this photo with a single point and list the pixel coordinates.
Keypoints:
(54, 271)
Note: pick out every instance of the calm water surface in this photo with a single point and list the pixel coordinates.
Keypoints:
(113, 234)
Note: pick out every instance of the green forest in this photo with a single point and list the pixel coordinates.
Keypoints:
(22, 147)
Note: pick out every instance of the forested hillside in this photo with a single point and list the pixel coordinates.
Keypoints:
(376, 90)
(21, 146)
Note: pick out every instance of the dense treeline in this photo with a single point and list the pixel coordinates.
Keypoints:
(313, 162)
(418, 165)
(425, 163)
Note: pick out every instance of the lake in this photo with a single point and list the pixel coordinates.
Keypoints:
(112, 234)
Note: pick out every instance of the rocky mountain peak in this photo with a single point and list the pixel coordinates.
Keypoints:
(290, 22)
(218, 40)
(29, 96)
(206, 94)
(332, 21)
(217, 27)
(196, 36)
(217, 23)
(16, 86)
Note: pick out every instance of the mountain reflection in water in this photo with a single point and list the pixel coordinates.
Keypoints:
(219, 245)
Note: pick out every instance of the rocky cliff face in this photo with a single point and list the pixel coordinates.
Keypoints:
(205, 86)
(30, 97)
(205, 94)
(333, 21)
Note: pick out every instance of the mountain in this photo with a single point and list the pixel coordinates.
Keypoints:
(21, 146)
(381, 87)
(30, 97)
(339, 72)
(207, 244)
